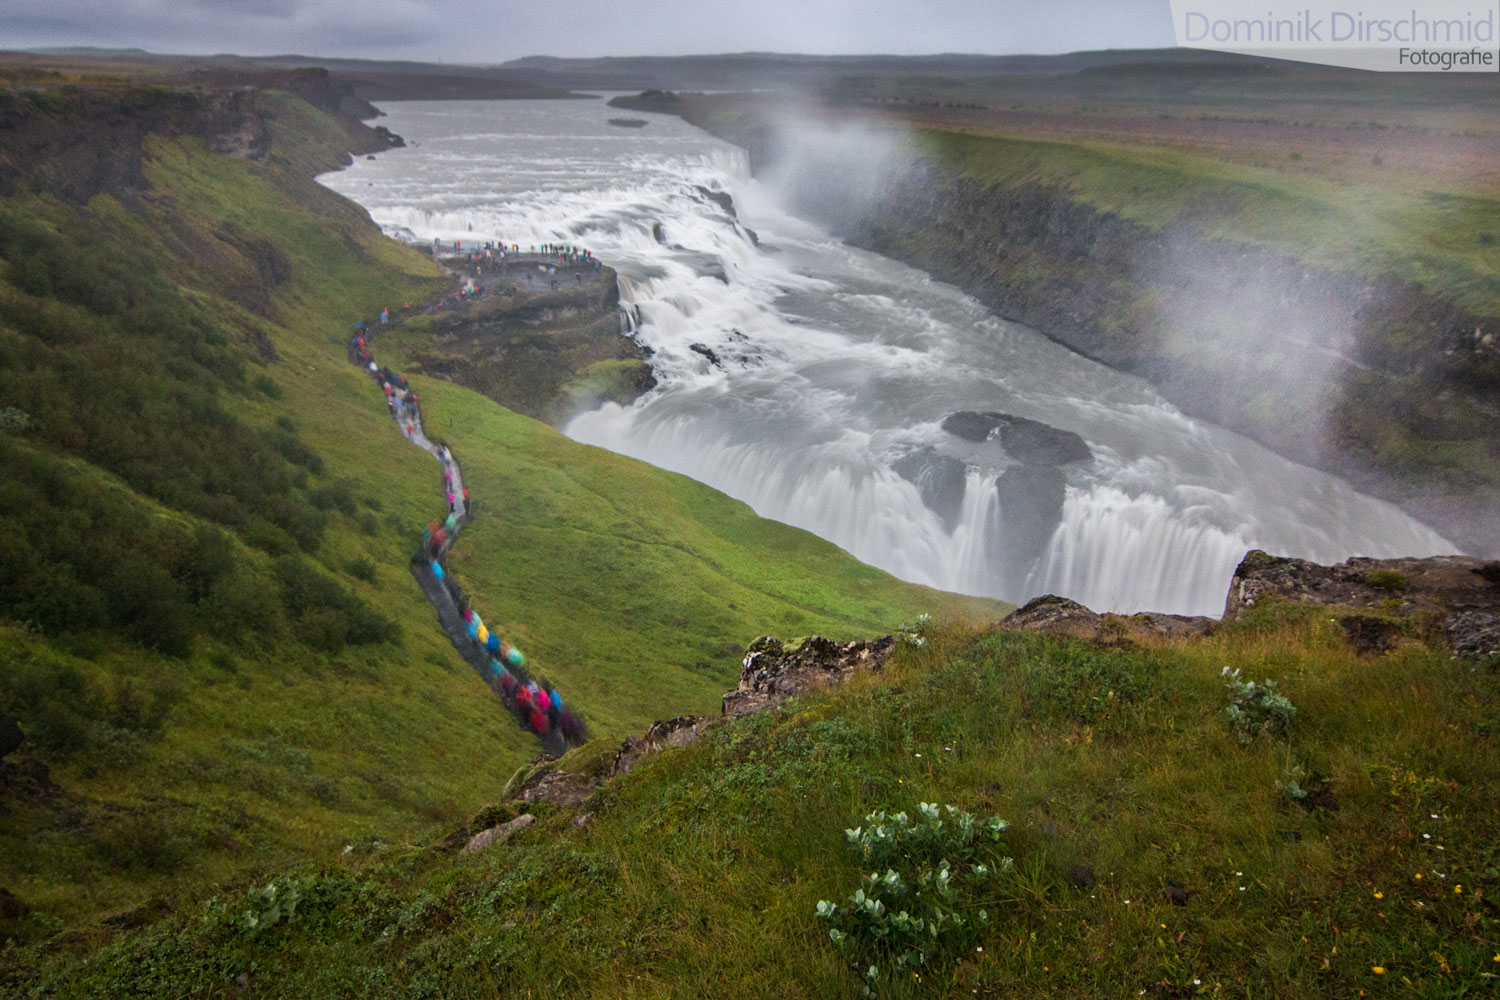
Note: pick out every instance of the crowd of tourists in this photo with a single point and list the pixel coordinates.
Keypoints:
(536, 703)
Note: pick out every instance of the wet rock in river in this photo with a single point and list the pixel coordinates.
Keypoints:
(940, 479)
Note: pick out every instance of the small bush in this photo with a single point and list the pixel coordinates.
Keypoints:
(143, 842)
(1255, 709)
(1386, 579)
(14, 421)
(266, 386)
(362, 569)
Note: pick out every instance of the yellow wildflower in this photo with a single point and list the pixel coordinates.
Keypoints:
(1379, 970)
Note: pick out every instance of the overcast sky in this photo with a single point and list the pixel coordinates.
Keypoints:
(485, 31)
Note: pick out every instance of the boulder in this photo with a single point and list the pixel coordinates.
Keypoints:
(721, 198)
(972, 426)
(1037, 443)
(1030, 441)
(1473, 633)
(1055, 616)
(707, 352)
(1440, 584)
(1059, 616)
(1031, 502)
(940, 481)
(560, 788)
(498, 834)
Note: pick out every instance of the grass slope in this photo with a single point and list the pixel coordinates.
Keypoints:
(701, 870)
(262, 738)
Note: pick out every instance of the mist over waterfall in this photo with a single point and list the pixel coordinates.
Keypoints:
(850, 395)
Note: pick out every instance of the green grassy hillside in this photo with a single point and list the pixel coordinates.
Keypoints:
(208, 634)
(1342, 846)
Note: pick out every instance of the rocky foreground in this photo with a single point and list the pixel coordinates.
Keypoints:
(1380, 604)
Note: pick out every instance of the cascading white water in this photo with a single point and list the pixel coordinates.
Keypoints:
(795, 373)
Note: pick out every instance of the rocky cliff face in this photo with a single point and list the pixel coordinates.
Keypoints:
(548, 347)
(1319, 366)
(80, 142)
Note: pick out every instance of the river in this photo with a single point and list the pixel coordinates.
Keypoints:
(821, 369)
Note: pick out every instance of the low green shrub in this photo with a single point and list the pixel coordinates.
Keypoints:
(1386, 579)
(1257, 708)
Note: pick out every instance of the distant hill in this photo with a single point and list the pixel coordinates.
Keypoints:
(540, 77)
(770, 70)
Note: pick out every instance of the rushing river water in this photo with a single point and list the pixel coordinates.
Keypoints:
(830, 365)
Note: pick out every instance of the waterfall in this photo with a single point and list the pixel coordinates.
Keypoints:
(812, 380)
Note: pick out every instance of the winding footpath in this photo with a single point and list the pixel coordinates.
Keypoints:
(536, 704)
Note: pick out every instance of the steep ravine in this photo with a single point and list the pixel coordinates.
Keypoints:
(1365, 376)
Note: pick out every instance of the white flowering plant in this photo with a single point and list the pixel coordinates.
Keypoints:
(914, 634)
(928, 904)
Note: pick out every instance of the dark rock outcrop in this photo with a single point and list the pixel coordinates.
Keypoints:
(560, 788)
(1473, 633)
(1060, 616)
(678, 732)
(721, 198)
(1370, 635)
(1437, 583)
(972, 426)
(1037, 443)
(1031, 502)
(771, 674)
(940, 480)
(1053, 615)
(1029, 441)
(1449, 589)
(707, 352)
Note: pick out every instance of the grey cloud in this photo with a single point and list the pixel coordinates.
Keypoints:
(278, 9)
(490, 31)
